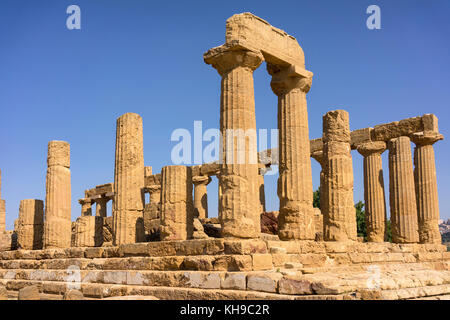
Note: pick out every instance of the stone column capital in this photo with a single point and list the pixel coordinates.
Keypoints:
(426, 138)
(85, 201)
(226, 59)
(152, 188)
(318, 156)
(285, 79)
(374, 147)
(198, 180)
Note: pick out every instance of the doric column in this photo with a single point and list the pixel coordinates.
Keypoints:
(402, 197)
(57, 225)
(86, 206)
(30, 225)
(238, 177)
(295, 191)
(426, 186)
(101, 207)
(177, 210)
(318, 156)
(339, 217)
(201, 196)
(128, 205)
(374, 198)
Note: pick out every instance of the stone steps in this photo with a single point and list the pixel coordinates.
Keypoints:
(429, 292)
(286, 282)
(100, 291)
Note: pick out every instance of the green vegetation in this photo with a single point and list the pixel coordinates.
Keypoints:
(360, 217)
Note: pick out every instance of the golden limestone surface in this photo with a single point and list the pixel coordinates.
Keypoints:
(426, 186)
(239, 168)
(402, 194)
(168, 247)
(177, 210)
(30, 225)
(339, 215)
(374, 197)
(57, 225)
(295, 182)
(128, 205)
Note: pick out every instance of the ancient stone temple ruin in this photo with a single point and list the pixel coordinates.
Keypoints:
(168, 247)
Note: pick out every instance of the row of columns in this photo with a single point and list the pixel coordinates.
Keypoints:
(239, 183)
(413, 196)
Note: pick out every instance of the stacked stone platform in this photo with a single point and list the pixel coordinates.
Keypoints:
(235, 269)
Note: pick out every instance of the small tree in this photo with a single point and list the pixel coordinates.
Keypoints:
(361, 220)
(316, 198)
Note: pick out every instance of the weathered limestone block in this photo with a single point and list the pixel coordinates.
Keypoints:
(29, 293)
(148, 171)
(201, 196)
(296, 218)
(374, 197)
(238, 180)
(402, 194)
(199, 231)
(177, 210)
(128, 207)
(256, 33)
(108, 230)
(30, 225)
(426, 186)
(89, 231)
(318, 224)
(8, 241)
(3, 293)
(269, 222)
(86, 206)
(339, 217)
(57, 225)
(73, 295)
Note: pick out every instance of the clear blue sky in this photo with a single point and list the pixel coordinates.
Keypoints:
(146, 57)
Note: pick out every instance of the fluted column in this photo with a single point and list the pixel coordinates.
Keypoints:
(128, 205)
(426, 186)
(101, 207)
(86, 206)
(402, 196)
(295, 191)
(238, 177)
(374, 197)
(339, 215)
(201, 196)
(177, 210)
(57, 225)
(30, 225)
